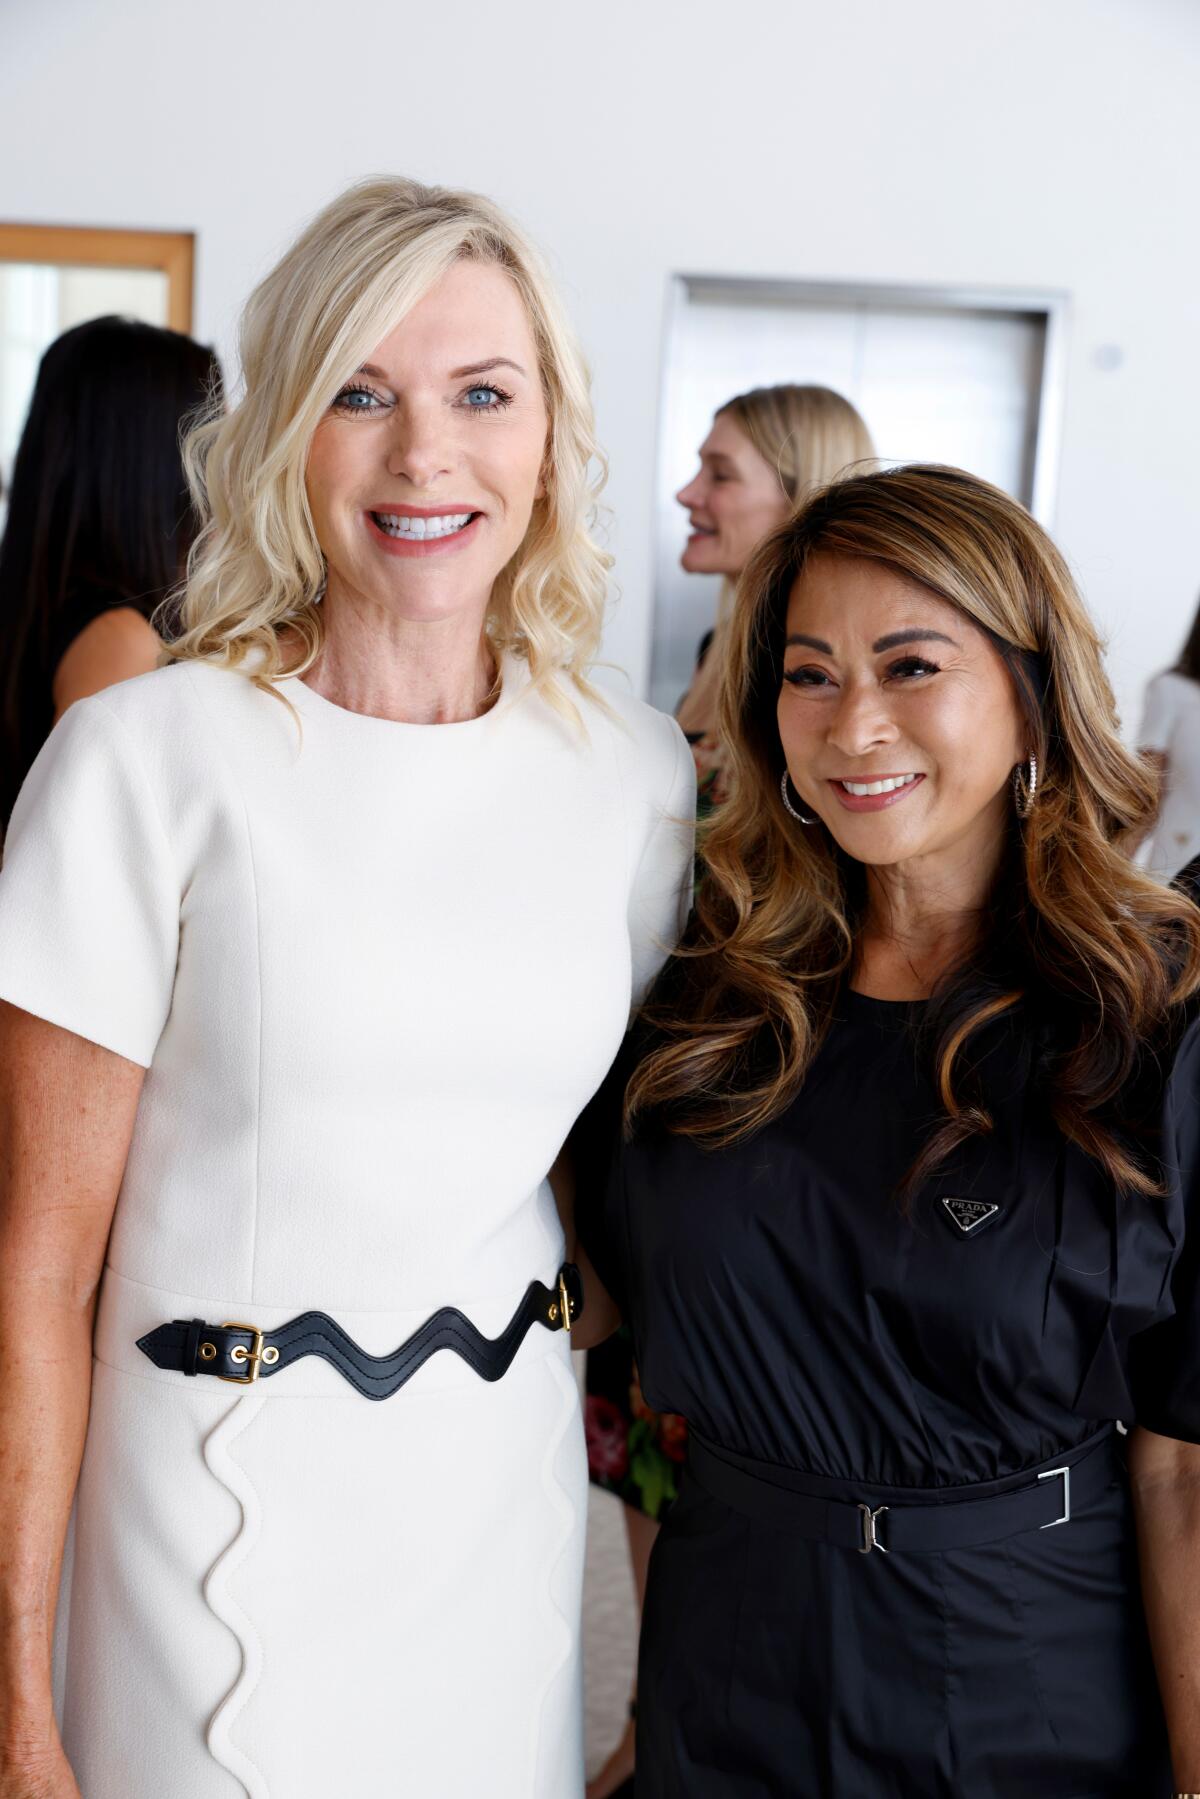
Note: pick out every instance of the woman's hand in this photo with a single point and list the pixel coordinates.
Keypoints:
(1165, 1477)
(47, 1776)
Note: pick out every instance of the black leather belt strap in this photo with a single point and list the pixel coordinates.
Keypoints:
(241, 1353)
(1044, 1497)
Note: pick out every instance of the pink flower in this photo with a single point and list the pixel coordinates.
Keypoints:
(607, 1438)
(672, 1436)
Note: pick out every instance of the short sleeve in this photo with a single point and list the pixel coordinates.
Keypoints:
(89, 897)
(1158, 715)
(1165, 1359)
(661, 894)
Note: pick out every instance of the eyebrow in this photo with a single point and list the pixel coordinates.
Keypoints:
(892, 641)
(895, 638)
(470, 368)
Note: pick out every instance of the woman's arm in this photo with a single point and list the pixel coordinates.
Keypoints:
(1165, 1476)
(600, 1314)
(66, 1115)
(114, 647)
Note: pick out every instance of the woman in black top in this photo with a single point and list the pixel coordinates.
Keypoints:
(902, 1225)
(99, 522)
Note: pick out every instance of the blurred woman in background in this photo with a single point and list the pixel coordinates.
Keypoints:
(1170, 736)
(99, 523)
(767, 451)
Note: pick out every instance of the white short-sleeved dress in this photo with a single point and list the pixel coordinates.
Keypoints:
(1171, 725)
(374, 971)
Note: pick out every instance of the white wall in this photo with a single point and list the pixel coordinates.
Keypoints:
(1031, 143)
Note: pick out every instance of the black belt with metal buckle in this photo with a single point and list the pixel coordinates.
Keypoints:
(1038, 1499)
(242, 1353)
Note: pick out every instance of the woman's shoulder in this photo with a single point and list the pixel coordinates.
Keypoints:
(1172, 684)
(170, 720)
(651, 749)
(167, 700)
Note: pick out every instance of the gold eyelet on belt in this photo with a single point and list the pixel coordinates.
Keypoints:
(208, 1352)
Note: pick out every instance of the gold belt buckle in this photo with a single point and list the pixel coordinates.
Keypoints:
(253, 1356)
(564, 1301)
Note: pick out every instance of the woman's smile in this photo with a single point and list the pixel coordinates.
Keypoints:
(876, 792)
(421, 531)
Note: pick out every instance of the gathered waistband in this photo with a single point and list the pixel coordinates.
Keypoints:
(868, 1517)
(129, 1309)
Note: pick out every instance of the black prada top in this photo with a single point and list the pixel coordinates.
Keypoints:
(783, 1301)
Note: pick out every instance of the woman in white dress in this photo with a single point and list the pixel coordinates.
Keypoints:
(312, 946)
(1170, 737)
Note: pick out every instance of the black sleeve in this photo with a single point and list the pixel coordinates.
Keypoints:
(1165, 1360)
(597, 1146)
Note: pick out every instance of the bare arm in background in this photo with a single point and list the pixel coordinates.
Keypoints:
(1165, 1477)
(114, 647)
(67, 1109)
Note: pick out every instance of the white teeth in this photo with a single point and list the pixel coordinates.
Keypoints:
(861, 789)
(396, 525)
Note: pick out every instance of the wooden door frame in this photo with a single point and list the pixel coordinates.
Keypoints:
(90, 246)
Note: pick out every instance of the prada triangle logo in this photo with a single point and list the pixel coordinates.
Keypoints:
(969, 1214)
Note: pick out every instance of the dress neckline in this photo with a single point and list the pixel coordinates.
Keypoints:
(514, 676)
(892, 1014)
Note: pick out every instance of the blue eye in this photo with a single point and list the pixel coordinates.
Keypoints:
(357, 399)
(486, 399)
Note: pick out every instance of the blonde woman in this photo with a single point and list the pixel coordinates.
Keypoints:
(312, 946)
(916, 1153)
(766, 450)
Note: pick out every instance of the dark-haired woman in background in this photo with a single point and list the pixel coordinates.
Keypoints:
(99, 523)
(908, 1217)
(1170, 735)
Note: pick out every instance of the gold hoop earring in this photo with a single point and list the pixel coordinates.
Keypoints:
(1025, 790)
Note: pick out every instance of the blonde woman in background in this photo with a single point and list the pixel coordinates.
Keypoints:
(766, 452)
(312, 945)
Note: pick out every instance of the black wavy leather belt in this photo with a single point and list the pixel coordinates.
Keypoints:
(242, 1353)
(1034, 1500)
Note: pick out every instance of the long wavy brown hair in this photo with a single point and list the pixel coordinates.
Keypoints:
(1094, 953)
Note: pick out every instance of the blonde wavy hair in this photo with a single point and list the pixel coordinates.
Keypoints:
(809, 436)
(256, 572)
(1096, 956)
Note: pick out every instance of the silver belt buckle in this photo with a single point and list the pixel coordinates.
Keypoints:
(870, 1539)
(1052, 1474)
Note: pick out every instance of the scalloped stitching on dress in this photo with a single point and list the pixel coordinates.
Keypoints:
(222, 1603)
(568, 1513)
